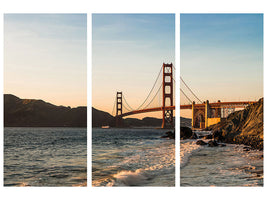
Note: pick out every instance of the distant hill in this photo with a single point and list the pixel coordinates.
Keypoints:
(185, 122)
(101, 118)
(145, 122)
(38, 113)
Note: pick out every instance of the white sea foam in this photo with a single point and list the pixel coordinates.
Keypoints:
(129, 178)
(187, 148)
(153, 162)
(136, 157)
(221, 166)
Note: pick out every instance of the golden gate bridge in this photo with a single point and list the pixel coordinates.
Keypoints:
(161, 98)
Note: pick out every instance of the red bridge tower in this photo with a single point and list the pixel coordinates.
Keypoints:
(119, 109)
(167, 95)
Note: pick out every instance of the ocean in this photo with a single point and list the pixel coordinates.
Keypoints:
(45, 157)
(132, 157)
(231, 165)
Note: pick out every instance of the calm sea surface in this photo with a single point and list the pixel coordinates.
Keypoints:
(132, 157)
(219, 166)
(45, 157)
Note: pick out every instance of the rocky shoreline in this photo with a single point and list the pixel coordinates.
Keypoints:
(241, 127)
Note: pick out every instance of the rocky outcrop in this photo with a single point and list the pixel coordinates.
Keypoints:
(194, 136)
(209, 136)
(185, 133)
(242, 127)
(212, 143)
(201, 142)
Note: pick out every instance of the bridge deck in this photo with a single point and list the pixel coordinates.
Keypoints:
(148, 110)
(236, 104)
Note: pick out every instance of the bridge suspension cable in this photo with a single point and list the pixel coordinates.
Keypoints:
(154, 96)
(174, 80)
(113, 107)
(185, 95)
(150, 98)
(131, 109)
(126, 108)
(190, 90)
(150, 90)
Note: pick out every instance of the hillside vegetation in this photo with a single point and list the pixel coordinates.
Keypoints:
(38, 113)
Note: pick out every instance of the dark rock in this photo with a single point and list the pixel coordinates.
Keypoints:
(185, 133)
(217, 135)
(194, 136)
(246, 148)
(212, 143)
(222, 145)
(201, 142)
(207, 137)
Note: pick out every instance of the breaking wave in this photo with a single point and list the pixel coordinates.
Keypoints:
(143, 167)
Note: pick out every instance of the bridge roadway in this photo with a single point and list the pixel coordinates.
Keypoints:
(236, 104)
(147, 110)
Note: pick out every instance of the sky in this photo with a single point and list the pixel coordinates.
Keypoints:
(221, 57)
(45, 57)
(128, 51)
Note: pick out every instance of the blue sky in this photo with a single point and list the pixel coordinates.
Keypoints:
(222, 56)
(128, 51)
(45, 57)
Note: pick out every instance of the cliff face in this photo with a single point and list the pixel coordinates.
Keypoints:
(37, 113)
(242, 127)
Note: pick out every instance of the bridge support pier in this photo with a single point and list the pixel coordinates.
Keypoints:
(167, 86)
(218, 111)
(193, 114)
(205, 116)
(119, 122)
(207, 113)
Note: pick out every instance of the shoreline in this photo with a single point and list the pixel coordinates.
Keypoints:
(143, 159)
(222, 166)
